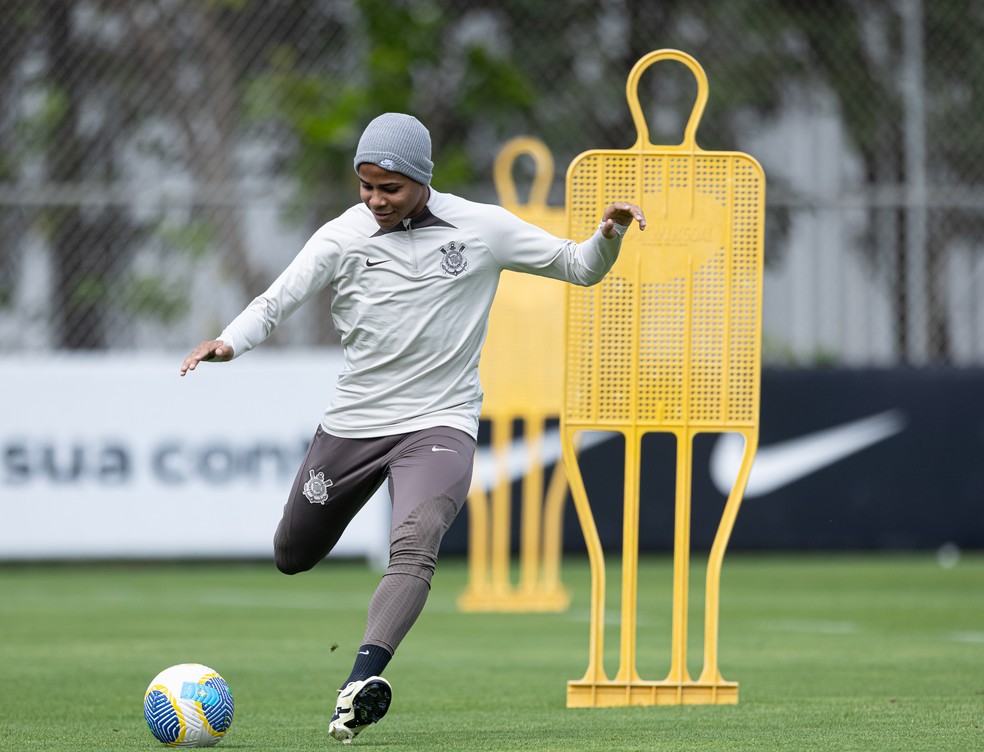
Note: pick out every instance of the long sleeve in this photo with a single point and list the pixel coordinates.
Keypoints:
(309, 272)
(523, 247)
(594, 258)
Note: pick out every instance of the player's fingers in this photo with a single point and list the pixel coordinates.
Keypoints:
(205, 351)
(624, 212)
(221, 352)
(208, 350)
(628, 212)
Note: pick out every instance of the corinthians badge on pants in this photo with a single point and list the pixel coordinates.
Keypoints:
(316, 488)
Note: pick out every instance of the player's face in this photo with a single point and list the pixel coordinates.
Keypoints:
(390, 196)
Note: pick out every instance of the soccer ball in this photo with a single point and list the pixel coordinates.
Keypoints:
(188, 705)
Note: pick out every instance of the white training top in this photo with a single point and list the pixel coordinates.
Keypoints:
(411, 306)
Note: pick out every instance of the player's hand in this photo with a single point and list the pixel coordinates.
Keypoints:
(623, 214)
(214, 350)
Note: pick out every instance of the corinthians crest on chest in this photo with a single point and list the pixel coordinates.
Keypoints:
(454, 261)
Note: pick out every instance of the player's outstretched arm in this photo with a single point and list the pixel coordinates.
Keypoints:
(621, 213)
(214, 350)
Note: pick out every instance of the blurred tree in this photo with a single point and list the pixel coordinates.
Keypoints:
(15, 33)
(208, 95)
(763, 55)
(90, 244)
(954, 86)
(409, 56)
(162, 82)
(892, 95)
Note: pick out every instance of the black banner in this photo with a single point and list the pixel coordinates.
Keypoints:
(847, 460)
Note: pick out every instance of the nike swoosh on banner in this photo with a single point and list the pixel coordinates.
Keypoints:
(785, 462)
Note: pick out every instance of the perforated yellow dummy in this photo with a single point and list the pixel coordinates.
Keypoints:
(522, 376)
(669, 342)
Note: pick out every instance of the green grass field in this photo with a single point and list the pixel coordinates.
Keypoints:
(832, 653)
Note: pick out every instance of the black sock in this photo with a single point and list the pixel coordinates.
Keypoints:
(369, 661)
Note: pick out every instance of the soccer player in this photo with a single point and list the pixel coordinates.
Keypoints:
(413, 273)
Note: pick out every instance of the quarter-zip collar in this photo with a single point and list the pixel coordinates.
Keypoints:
(426, 218)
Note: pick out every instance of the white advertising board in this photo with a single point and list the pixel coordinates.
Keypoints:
(110, 456)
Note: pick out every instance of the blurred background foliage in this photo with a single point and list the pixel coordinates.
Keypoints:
(162, 160)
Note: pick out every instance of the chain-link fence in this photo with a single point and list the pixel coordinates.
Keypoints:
(162, 160)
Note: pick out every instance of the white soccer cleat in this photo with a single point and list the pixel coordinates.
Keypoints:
(359, 704)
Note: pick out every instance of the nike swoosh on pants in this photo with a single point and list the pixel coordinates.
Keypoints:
(785, 462)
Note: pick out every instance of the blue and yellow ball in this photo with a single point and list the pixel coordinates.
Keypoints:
(188, 705)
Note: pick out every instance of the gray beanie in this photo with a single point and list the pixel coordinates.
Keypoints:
(399, 143)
